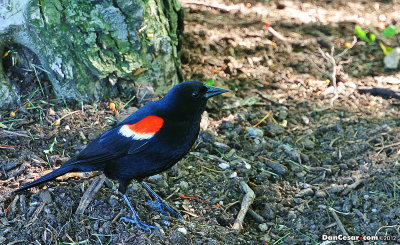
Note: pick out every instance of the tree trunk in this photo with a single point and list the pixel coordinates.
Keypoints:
(91, 50)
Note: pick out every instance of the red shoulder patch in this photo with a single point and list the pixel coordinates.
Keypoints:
(148, 125)
(144, 129)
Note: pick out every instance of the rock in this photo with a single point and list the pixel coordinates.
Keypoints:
(274, 129)
(391, 60)
(46, 196)
(268, 213)
(12, 163)
(183, 185)
(263, 227)
(291, 215)
(156, 178)
(126, 113)
(223, 165)
(320, 194)
(305, 192)
(113, 201)
(305, 120)
(255, 132)
(347, 206)
(277, 167)
(221, 146)
(308, 144)
(182, 230)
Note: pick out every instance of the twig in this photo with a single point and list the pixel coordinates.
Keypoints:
(89, 194)
(173, 193)
(386, 146)
(396, 227)
(8, 133)
(335, 62)
(339, 223)
(352, 186)
(247, 201)
(347, 49)
(11, 146)
(219, 7)
(258, 218)
(37, 212)
(276, 34)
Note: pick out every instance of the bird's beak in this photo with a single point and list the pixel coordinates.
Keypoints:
(212, 91)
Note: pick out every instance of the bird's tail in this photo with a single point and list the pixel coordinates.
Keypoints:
(50, 176)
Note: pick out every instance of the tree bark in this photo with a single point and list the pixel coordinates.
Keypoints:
(93, 50)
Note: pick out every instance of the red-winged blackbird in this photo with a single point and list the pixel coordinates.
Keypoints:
(148, 142)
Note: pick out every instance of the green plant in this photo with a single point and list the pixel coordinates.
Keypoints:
(370, 37)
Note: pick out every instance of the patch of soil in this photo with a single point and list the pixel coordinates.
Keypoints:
(319, 164)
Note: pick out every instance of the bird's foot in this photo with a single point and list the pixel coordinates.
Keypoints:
(165, 208)
(139, 223)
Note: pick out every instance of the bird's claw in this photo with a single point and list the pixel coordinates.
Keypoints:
(165, 209)
(139, 223)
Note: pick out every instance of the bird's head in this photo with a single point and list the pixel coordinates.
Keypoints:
(191, 96)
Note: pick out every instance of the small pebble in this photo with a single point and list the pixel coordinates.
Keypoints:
(305, 119)
(277, 167)
(221, 145)
(255, 132)
(156, 178)
(263, 227)
(4, 221)
(292, 215)
(184, 185)
(305, 192)
(391, 60)
(182, 230)
(113, 201)
(320, 193)
(45, 196)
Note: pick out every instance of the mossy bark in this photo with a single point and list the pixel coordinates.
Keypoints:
(93, 50)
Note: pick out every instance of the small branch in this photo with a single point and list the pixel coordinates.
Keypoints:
(216, 6)
(89, 194)
(335, 62)
(247, 201)
(347, 49)
(331, 60)
(276, 34)
(352, 186)
(8, 133)
(339, 223)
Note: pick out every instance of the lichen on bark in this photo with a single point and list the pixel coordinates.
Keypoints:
(93, 51)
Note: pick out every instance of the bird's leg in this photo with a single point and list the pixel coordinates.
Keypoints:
(160, 204)
(135, 218)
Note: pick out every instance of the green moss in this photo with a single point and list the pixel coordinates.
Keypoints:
(95, 41)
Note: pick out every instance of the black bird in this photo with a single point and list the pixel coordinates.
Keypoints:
(148, 142)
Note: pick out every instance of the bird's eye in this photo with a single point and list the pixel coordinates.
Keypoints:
(195, 94)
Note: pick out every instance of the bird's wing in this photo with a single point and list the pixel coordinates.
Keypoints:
(130, 137)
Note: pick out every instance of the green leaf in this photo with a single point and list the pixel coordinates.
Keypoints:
(390, 31)
(371, 37)
(386, 49)
(361, 33)
(210, 82)
(368, 37)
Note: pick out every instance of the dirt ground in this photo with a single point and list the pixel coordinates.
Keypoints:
(318, 164)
